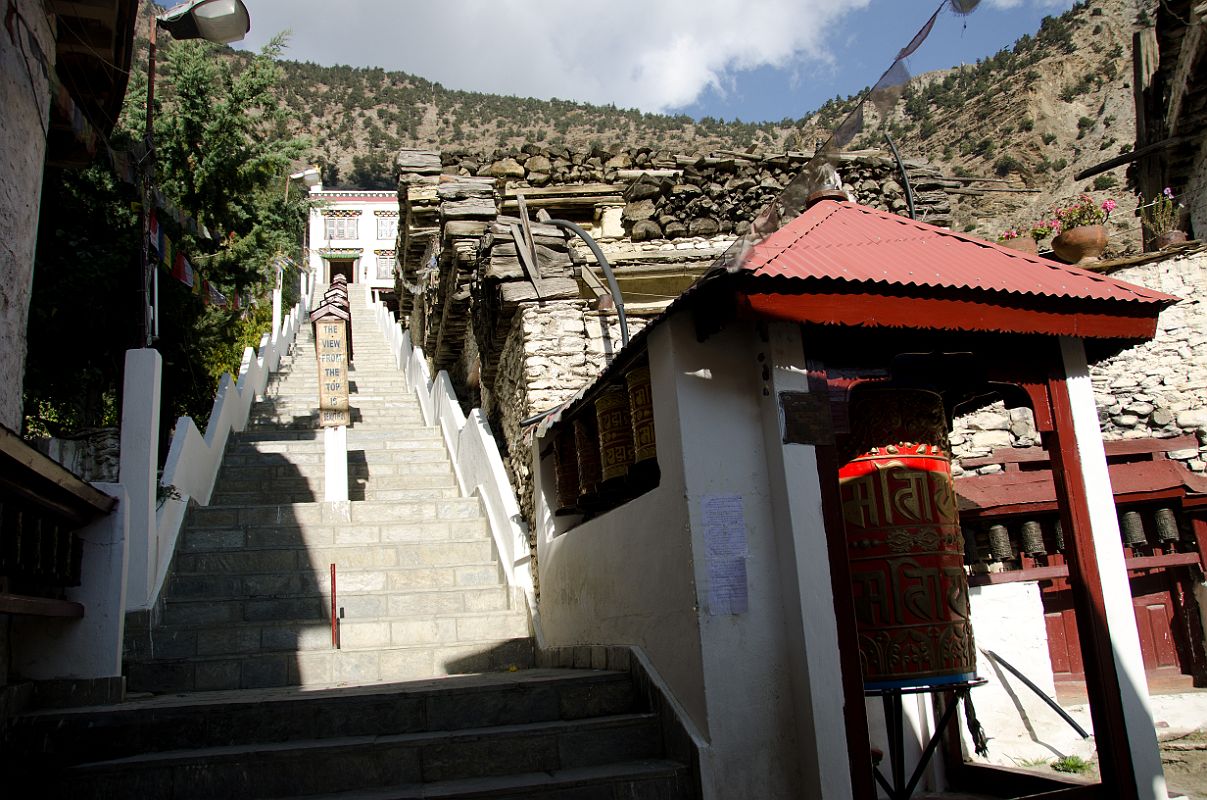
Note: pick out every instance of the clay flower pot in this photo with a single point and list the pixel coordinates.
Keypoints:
(1168, 239)
(1080, 245)
(1023, 244)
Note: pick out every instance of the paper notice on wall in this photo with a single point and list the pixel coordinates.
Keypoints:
(724, 523)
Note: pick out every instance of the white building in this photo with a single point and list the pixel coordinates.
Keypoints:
(353, 232)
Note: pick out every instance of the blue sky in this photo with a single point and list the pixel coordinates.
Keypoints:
(755, 60)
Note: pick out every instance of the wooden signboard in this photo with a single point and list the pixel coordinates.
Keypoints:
(331, 336)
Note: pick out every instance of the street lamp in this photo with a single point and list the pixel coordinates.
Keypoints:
(218, 21)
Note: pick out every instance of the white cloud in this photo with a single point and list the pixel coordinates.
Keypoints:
(655, 55)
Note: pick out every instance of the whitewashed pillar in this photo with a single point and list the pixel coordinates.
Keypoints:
(138, 467)
(1116, 590)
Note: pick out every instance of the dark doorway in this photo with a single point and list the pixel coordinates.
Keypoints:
(340, 267)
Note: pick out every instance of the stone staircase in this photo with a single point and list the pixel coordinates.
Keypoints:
(248, 600)
(237, 691)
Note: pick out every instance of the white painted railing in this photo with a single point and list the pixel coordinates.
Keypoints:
(191, 468)
(475, 455)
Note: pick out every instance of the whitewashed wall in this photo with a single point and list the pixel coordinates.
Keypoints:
(365, 265)
(639, 575)
(24, 96)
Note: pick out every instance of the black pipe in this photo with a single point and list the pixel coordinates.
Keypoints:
(566, 224)
(1054, 705)
(909, 190)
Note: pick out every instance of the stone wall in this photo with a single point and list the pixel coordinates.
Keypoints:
(552, 352)
(671, 196)
(1155, 389)
(25, 98)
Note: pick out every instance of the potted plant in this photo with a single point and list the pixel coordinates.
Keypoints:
(1160, 218)
(1012, 238)
(1082, 235)
(1026, 238)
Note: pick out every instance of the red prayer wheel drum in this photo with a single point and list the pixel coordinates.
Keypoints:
(615, 436)
(904, 543)
(641, 414)
(586, 446)
(565, 469)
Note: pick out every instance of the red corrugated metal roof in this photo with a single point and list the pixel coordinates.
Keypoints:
(847, 242)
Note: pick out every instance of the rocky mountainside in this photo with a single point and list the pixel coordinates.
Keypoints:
(1021, 122)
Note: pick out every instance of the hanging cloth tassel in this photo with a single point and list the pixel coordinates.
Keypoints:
(979, 740)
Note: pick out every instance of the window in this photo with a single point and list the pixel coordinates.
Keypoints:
(387, 228)
(341, 227)
(385, 267)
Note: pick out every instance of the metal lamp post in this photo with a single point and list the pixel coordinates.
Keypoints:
(218, 21)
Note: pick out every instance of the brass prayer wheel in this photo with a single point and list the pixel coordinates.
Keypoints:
(904, 543)
(1167, 525)
(565, 470)
(1132, 527)
(615, 437)
(999, 543)
(641, 415)
(586, 446)
(1032, 538)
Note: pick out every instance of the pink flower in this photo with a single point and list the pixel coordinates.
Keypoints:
(1108, 205)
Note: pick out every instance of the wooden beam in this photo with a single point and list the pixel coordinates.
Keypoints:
(39, 606)
(1189, 55)
(526, 260)
(1135, 155)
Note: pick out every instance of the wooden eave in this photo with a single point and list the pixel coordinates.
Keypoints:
(93, 53)
(33, 478)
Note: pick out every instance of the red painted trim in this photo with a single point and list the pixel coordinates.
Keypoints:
(1115, 449)
(1136, 563)
(1199, 524)
(1016, 509)
(1101, 675)
(945, 314)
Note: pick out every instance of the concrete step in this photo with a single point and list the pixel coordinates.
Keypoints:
(224, 719)
(304, 581)
(297, 625)
(324, 514)
(313, 536)
(300, 558)
(359, 489)
(310, 766)
(655, 779)
(327, 667)
(401, 438)
(360, 605)
(361, 464)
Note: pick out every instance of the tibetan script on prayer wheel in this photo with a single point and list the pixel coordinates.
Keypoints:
(565, 469)
(331, 337)
(615, 434)
(906, 550)
(641, 415)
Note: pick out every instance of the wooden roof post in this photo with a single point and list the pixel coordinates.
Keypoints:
(1128, 754)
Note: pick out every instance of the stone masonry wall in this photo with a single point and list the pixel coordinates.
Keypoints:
(1155, 389)
(551, 353)
(25, 98)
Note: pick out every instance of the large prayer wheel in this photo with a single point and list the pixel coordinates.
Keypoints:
(904, 542)
(644, 472)
(615, 438)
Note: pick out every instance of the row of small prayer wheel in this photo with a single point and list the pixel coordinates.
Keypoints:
(607, 453)
(999, 542)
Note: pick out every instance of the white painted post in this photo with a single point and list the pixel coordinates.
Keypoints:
(276, 315)
(1116, 590)
(138, 466)
(335, 444)
(812, 631)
